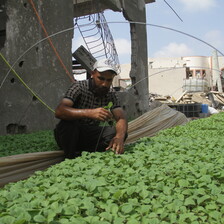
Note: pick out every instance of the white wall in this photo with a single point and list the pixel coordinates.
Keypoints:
(167, 82)
(166, 75)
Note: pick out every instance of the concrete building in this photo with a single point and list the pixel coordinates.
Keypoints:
(172, 76)
(36, 58)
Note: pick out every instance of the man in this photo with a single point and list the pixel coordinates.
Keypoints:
(82, 110)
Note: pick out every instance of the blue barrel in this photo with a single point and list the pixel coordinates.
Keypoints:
(204, 108)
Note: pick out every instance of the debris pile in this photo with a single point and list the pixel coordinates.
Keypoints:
(213, 99)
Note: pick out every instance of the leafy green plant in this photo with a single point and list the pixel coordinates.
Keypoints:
(110, 122)
(174, 177)
(26, 143)
(109, 106)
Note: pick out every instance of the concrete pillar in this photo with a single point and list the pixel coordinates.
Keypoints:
(134, 11)
(40, 68)
(216, 73)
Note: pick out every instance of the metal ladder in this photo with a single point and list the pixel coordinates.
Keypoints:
(97, 37)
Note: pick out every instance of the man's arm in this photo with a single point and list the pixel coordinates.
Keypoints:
(65, 111)
(117, 143)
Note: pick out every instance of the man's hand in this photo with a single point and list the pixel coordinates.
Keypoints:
(116, 145)
(101, 114)
(65, 111)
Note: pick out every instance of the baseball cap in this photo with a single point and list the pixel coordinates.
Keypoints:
(105, 65)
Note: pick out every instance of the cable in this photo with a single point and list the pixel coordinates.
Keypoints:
(173, 10)
(98, 140)
(21, 80)
(50, 41)
(168, 28)
(30, 48)
(127, 22)
(71, 28)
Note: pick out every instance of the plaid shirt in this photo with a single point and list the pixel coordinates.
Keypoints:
(81, 94)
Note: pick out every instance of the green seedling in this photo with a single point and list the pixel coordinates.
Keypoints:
(108, 107)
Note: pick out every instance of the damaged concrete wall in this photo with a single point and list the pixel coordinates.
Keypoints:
(87, 7)
(45, 72)
(39, 68)
(136, 100)
(3, 18)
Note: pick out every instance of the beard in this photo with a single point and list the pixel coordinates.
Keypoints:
(101, 91)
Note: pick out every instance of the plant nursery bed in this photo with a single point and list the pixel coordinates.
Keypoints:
(174, 177)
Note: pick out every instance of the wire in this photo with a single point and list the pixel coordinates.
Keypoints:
(30, 48)
(173, 10)
(71, 28)
(29, 104)
(126, 22)
(50, 41)
(168, 28)
(21, 80)
(98, 140)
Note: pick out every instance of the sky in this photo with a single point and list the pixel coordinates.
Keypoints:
(201, 19)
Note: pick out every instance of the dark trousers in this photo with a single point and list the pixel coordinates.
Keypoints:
(73, 137)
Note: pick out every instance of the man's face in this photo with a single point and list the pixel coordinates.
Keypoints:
(102, 82)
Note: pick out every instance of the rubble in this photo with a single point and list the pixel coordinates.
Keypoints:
(212, 98)
(191, 103)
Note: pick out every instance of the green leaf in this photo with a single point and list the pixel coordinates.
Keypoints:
(118, 220)
(187, 192)
(187, 217)
(215, 215)
(105, 194)
(189, 201)
(16, 211)
(183, 183)
(55, 207)
(24, 216)
(20, 221)
(152, 215)
(118, 194)
(126, 208)
(202, 199)
(206, 178)
(63, 221)
(144, 193)
(110, 104)
(211, 206)
(154, 221)
(130, 190)
(39, 219)
(70, 209)
(7, 219)
(200, 191)
(167, 190)
(214, 189)
(114, 209)
(144, 209)
(173, 217)
(132, 221)
(220, 198)
(106, 216)
(52, 190)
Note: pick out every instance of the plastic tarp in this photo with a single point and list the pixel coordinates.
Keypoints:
(153, 121)
(18, 167)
